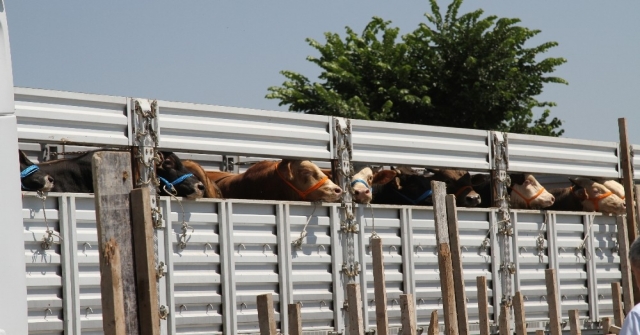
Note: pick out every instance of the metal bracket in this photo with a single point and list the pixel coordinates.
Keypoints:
(164, 312)
(160, 271)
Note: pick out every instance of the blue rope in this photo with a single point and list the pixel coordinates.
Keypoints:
(360, 181)
(424, 195)
(175, 182)
(29, 171)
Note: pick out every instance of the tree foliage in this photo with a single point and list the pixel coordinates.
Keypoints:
(458, 71)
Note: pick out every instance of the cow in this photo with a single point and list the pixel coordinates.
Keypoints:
(76, 175)
(404, 186)
(295, 180)
(361, 184)
(31, 177)
(211, 190)
(612, 185)
(587, 195)
(527, 193)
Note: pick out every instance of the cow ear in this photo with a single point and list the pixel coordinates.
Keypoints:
(397, 183)
(24, 159)
(383, 177)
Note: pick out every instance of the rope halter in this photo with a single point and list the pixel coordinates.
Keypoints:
(354, 182)
(302, 194)
(27, 172)
(176, 182)
(596, 200)
(419, 199)
(529, 200)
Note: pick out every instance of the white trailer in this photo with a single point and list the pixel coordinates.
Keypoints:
(237, 249)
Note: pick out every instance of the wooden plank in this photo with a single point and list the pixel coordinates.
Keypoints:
(266, 319)
(112, 182)
(625, 266)
(113, 316)
(518, 311)
(616, 295)
(145, 262)
(505, 320)
(483, 304)
(295, 319)
(614, 330)
(355, 310)
(440, 211)
(553, 301)
(626, 163)
(539, 332)
(456, 261)
(380, 288)
(448, 290)
(606, 325)
(408, 314)
(574, 322)
(434, 328)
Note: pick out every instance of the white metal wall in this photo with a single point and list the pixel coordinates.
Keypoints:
(236, 250)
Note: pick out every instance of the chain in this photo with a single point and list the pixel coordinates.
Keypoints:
(47, 239)
(505, 227)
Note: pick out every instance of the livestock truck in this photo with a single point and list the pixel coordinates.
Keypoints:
(214, 256)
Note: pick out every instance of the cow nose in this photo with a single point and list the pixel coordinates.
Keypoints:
(367, 191)
(200, 186)
(50, 179)
(553, 199)
(338, 190)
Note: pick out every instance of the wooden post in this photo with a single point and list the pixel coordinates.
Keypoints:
(408, 314)
(145, 262)
(606, 325)
(483, 305)
(456, 260)
(504, 325)
(518, 311)
(616, 296)
(626, 163)
(434, 328)
(266, 320)
(574, 322)
(552, 300)
(112, 186)
(295, 319)
(614, 330)
(539, 332)
(625, 266)
(379, 286)
(444, 258)
(355, 309)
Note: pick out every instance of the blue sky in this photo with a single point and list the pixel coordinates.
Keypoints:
(229, 52)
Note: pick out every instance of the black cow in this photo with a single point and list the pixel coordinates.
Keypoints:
(75, 175)
(31, 177)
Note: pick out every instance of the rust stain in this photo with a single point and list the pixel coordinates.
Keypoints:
(110, 250)
(125, 175)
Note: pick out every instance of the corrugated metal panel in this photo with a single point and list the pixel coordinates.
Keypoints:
(55, 116)
(635, 152)
(312, 272)
(196, 268)
(607, 261)
(552, 155)
(531, 262)
(572, 263)
(44, 268)
(242, 131)
(384, 142)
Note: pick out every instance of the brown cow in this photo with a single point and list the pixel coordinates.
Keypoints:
(587, 195)
(211, 190)
(458, 183)
(527, 193)
(31, 177)
(285, 180)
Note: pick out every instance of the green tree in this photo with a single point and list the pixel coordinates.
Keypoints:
(457, 71)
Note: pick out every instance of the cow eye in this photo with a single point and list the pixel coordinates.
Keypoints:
(596, 190)
(526, 183)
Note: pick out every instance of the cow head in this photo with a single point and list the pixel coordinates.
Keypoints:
(612, 185)
(361, 183)
(403, 186)
(459, 183)
(308, 181)
(176, 179)
(597, 197)
(527, 193)
(32, 178)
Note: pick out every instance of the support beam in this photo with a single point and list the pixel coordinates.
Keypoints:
(553, 301)
(616, 296)
(355, 310)
(379, 287)
(145, 262)
(295, 319)
(434, 328)
(456, 260)
(625, 266)
(266, 319)
(519, 314)
(112, 182)
(505, 320)
(483, 305)
(574, 322)
(408, 314)
(444, 258)
(606, 325)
